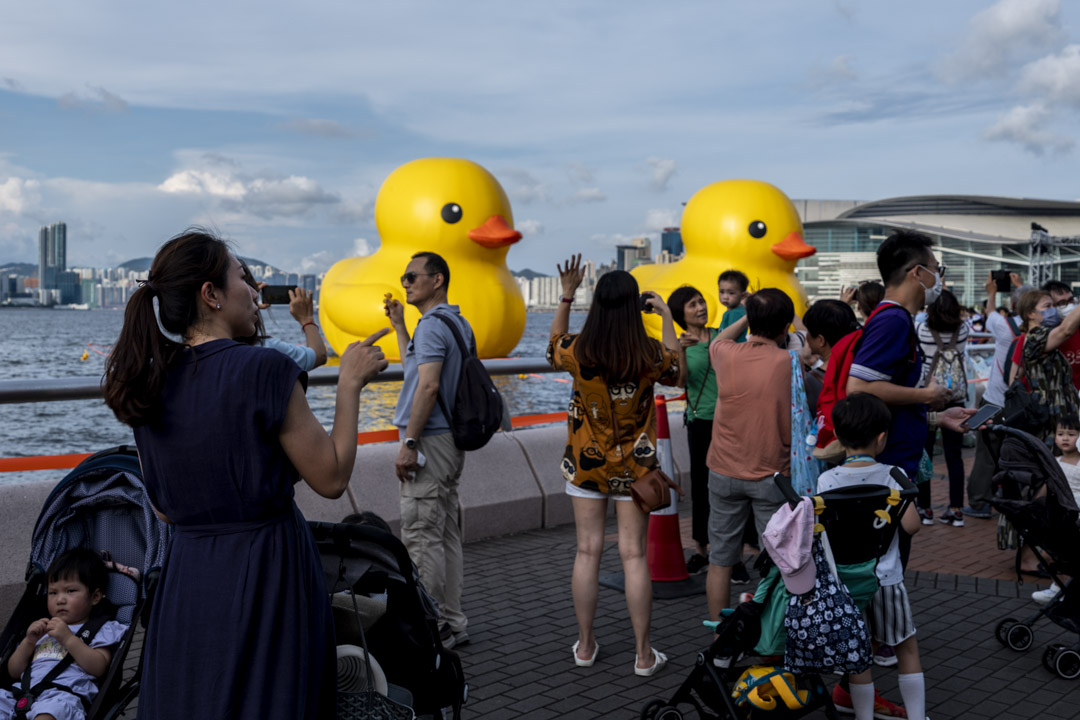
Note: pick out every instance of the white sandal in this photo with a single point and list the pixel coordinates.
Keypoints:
(659, 660)
(586, 663)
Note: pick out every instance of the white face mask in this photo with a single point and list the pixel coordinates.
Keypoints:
(1068, 308)
(934, 292)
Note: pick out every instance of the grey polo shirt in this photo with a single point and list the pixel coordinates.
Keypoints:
(432, 341)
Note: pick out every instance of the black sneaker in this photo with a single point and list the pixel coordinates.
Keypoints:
(739, 575)
(696, 563)
(952, 517)
(926, 515)
(979, 511)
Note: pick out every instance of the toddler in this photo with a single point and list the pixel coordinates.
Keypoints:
(76, 586)
(733, 288)
(1068, 430)
(861, 422)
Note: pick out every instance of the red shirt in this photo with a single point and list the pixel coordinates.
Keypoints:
(1071, 350)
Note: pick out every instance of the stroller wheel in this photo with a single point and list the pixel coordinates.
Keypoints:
(1048, 656)
(669, 713)
(1002, 628)
(1067, 663)
(649, 711)
(1019, 637)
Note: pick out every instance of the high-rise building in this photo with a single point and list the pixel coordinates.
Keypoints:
(52, 255)
(671, 241)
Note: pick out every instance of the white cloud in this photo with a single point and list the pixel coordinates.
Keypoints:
(1055, 77)
(98, 98)
(317, 127)
(204, 182)
(361, 247)
(1025, 124)
(662, 170)
(522, 186)
(529, 227)
(317, 263)
(657, 220)
(588, 195)
(1001, 33)
(17, 195)
(580, 172)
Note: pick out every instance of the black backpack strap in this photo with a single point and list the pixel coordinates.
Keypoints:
(86, 633)
(1012, 326)
(465, 352)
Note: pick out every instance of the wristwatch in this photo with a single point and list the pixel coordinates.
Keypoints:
(410, 443)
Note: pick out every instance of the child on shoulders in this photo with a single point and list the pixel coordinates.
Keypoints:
(861, 422)
(76, 585)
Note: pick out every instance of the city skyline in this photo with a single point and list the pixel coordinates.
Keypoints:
(599, 123)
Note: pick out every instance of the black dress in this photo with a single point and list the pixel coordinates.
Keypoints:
(241, 624)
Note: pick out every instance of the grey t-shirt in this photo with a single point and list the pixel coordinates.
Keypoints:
(432, 341)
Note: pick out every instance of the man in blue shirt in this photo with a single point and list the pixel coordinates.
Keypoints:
(430, 509)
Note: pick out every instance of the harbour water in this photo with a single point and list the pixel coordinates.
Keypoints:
(44, 343)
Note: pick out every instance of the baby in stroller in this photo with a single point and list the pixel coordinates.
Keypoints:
(56, 663)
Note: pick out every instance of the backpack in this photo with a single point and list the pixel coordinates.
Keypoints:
(478, 407)
(947, 367)
(834, 387)
(768, 688)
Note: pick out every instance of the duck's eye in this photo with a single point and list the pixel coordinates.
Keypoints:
(756, 229)
(451, 212)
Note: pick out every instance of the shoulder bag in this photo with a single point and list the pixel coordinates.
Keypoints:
(650, 492)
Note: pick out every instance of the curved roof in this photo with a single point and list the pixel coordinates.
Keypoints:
(962, 205)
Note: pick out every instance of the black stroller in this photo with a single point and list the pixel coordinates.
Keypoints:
(1048, 525)
(100, 505)
(366, 564)
(853, 519)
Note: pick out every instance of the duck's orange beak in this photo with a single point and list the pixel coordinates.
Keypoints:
(494, 233)
(793, 247)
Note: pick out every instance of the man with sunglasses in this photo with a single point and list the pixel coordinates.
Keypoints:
(429, 464)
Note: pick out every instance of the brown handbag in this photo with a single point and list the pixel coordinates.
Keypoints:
(650, 491)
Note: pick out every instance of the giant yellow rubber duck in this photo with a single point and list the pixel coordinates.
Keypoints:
(745, 225)
(451, 207)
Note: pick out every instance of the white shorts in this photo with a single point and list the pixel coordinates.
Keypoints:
(889, 615)
(61, 705)
(574, 491)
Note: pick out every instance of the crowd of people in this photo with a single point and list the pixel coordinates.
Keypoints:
(224, 432)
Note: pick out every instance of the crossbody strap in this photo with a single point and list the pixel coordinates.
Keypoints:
(461, 348)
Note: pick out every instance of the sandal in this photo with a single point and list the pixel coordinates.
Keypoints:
(586, 663)
(659, 660)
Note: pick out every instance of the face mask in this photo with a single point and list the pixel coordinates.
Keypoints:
(934, 292)
(1051, 317)
(1068, 308)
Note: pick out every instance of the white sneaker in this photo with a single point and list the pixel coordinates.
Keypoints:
(1045, 597)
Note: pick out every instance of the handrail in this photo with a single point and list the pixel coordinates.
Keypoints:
(89, 388)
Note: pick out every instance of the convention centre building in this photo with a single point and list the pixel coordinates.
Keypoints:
(973, 234)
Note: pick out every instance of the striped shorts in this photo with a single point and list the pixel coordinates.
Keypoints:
(889, 615)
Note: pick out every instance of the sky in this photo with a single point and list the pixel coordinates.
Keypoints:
(275, 123)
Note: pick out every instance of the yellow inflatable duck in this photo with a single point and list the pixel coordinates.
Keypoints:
(451, 207)
(745, 225)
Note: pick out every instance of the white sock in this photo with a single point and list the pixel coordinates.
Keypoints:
(862, 700)
(913, 691)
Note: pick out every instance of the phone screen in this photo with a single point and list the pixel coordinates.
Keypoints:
(986, 412)
(277, 294)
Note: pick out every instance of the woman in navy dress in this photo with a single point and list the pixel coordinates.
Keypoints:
(241, 624)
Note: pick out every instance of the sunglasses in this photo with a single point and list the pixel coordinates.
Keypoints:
(410, 277)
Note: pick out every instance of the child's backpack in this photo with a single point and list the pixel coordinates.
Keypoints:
(834, 387)
(769, 688)
(478, 407)
(947, 367)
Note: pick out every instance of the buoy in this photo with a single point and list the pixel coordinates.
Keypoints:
(664, 550)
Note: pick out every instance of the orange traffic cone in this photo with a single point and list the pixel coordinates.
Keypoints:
(664, 550)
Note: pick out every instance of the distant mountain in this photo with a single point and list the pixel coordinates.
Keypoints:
(18, 268)
(141, 265)
(527, 274)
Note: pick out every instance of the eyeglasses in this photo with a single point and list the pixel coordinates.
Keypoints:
(942, 269)
(410, 277)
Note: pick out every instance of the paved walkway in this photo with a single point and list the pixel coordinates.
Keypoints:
(522, 626)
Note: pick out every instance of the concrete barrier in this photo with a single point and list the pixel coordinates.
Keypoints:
(512, 485)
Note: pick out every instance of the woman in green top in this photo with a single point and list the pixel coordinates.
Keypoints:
(691, 313)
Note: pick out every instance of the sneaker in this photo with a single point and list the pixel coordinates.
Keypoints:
(883, 709)
(1045, 597)
(885, 656)
(952, 517)
(739, 575)
(696, 563)
(927, 516)
(978, 511)
(451, 639)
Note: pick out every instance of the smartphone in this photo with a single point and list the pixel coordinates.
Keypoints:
(277, 294)
(1003, 281)
(986, 412)
(644, 300)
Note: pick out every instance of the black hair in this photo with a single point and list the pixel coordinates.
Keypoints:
(80, 564)
(859, 418)
(769, 311)
(434, 264)
(1069, 422)
(830, 319)
(259, 338)
(1056, 286)
(869, 296)
(943, 315)
(677, 303)
(900, 252)
(613, 342)
(734, 276)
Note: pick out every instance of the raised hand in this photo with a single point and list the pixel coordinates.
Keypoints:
(686, 340)
(302, 305)
(395, 311)
(847, 295)
(259, 286)
(571, 276)
(363, 360)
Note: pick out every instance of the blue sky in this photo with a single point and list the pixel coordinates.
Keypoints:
(276, 124)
